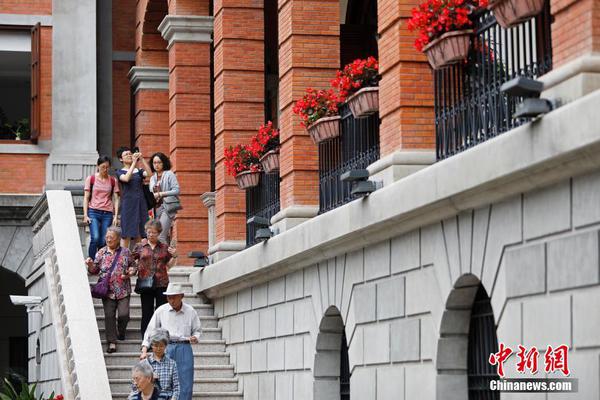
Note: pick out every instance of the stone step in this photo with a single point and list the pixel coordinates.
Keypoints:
(190, 299)
(206, 321)
(200, 358)
(186, 284)
(135, 334)
(227, 385)
(136, 309)
(200, 371)
(133, 345)
(196, 396)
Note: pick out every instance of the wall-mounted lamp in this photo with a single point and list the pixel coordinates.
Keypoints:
(201, 259)
(263, 232)
(361, 186)
(530, 90)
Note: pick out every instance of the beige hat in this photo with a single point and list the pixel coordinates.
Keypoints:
(173, 289)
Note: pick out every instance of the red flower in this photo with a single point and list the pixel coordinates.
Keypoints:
(240, 158)
(355, 76)
(433, 18)
(266, 139)
(59, 397)
(316, 104)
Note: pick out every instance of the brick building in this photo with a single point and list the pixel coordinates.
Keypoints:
(483, 229)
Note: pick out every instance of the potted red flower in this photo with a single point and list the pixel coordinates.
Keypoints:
(319, 113)
(265, 145)
(509, 13)
(357, 84)
(241, 163)
(444, 29)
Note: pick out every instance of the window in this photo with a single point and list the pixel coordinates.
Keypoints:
(19, 83)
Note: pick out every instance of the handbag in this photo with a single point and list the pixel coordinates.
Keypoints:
(100, 289)
(145, 285)
(171, 204)
(149, 196)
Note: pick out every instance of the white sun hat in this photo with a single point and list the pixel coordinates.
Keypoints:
(174, 289)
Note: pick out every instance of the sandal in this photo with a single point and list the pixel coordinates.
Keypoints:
(112, 348)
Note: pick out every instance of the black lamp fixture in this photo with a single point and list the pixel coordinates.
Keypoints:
(263, 232)
(201, 259)
(530, 90)
(361, 185)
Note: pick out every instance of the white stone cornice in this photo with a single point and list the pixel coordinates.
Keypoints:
(155, 78)
(181, 28)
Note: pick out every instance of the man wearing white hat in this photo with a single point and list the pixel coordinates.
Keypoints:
(183, 324)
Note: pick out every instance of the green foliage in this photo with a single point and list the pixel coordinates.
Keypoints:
(9, 392)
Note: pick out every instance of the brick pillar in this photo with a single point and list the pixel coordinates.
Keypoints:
(189, 39)
(239, 109)
(575, 49)
(151, 95)
(309, 55)
(407, 137)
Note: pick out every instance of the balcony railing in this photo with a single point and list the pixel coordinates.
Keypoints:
(355, 148)
(469, 107)
(262, 201)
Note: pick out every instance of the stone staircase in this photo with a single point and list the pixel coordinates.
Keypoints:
(214, 377)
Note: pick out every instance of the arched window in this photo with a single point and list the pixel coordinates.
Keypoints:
(482, 342)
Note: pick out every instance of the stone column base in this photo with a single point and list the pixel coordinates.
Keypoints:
(573, 80)
(224, 249)
(292, 216)
(69, 169)
(399, 164)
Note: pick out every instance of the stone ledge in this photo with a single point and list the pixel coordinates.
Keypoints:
(399, 164)
(155, 78)
(42, 147)
(562, 144)
(25, 19)
(177, 28)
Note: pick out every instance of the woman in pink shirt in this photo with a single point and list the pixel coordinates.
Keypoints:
(100, 204)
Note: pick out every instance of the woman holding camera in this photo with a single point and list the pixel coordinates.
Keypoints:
(165, 187)
(134, 210)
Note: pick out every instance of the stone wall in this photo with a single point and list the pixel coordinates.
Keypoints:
(535, 253)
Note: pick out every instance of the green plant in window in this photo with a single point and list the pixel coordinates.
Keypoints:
(9, 392)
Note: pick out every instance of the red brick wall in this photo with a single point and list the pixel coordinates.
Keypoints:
(36, 7)
(30, 170)
(576, 29)
(239, 100)
(406, 88)
(150, 47)
(308, 57)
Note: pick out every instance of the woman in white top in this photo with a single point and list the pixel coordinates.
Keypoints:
(164, 185)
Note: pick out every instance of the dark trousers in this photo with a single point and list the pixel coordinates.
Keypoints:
(151, 300)
(115, 324)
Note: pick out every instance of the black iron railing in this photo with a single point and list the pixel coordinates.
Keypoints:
(355, 148)
(469, 107)
(482, 342)
(262, 201)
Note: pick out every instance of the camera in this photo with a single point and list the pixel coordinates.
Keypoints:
(28, 301)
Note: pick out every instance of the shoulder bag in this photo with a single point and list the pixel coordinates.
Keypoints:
(100, 289)
(145, 285)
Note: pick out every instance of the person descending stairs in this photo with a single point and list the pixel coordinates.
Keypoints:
(214, 377)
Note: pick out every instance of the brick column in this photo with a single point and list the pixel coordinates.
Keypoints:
(575, 49)
(189, 39)
(150, 87)
(407, 136)
(239, 109)
(309, 55)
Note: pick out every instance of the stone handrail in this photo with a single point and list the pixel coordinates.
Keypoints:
(57, 242)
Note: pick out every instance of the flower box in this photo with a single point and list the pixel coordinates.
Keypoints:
(324, 129)
(364, 102)
(270, 161)
(509, 13)
(247, 179)
(448, 49)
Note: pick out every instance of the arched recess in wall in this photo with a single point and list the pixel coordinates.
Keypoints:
(13, 319)
(332, 367)
(358, 30)
(467, 338)
(151, 48)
